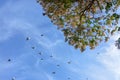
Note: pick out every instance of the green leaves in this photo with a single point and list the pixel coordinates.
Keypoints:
(116, 16)
(118, 2)
(83, 22)
(88, 21)
(106, 39)
(108, 21)
(108, 5)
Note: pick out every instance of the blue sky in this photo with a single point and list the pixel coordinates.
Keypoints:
(22, 18)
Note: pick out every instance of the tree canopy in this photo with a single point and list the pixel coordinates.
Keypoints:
(83, 22)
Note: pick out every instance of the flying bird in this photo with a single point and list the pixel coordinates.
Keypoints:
(13, 78)
(69, 62)
(41, 59)
(40, 53)
(51, 56)
(58, 65)
(44, 14)
(42, 35)
(33, 47)
(9, 60)
(53, 72)
(98, 53)
(28, 38)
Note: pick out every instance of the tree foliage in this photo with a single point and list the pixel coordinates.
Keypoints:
(83, 22)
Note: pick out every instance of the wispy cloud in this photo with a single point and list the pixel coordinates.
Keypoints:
(110, 59)
(13, 22)
(13, 16)
(16, 17)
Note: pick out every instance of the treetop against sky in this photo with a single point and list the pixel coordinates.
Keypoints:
(83, 22)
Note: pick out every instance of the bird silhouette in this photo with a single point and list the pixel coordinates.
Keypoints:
(28, 38)
(42, 35)
(69, 62)
(13, 78)
(44, 14)
(41, 59)
(9, 60)
(58, 65)
(98, 53)
(33, 47)
(53, 72)
(51, 56)
(40, 53)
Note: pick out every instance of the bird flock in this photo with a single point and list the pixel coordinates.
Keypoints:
(51, 56)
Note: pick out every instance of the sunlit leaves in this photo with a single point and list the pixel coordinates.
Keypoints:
(83, 22)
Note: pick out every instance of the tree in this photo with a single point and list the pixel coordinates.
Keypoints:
(83, 22)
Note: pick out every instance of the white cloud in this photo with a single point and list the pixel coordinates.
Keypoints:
(15, 21)
(111, 58)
